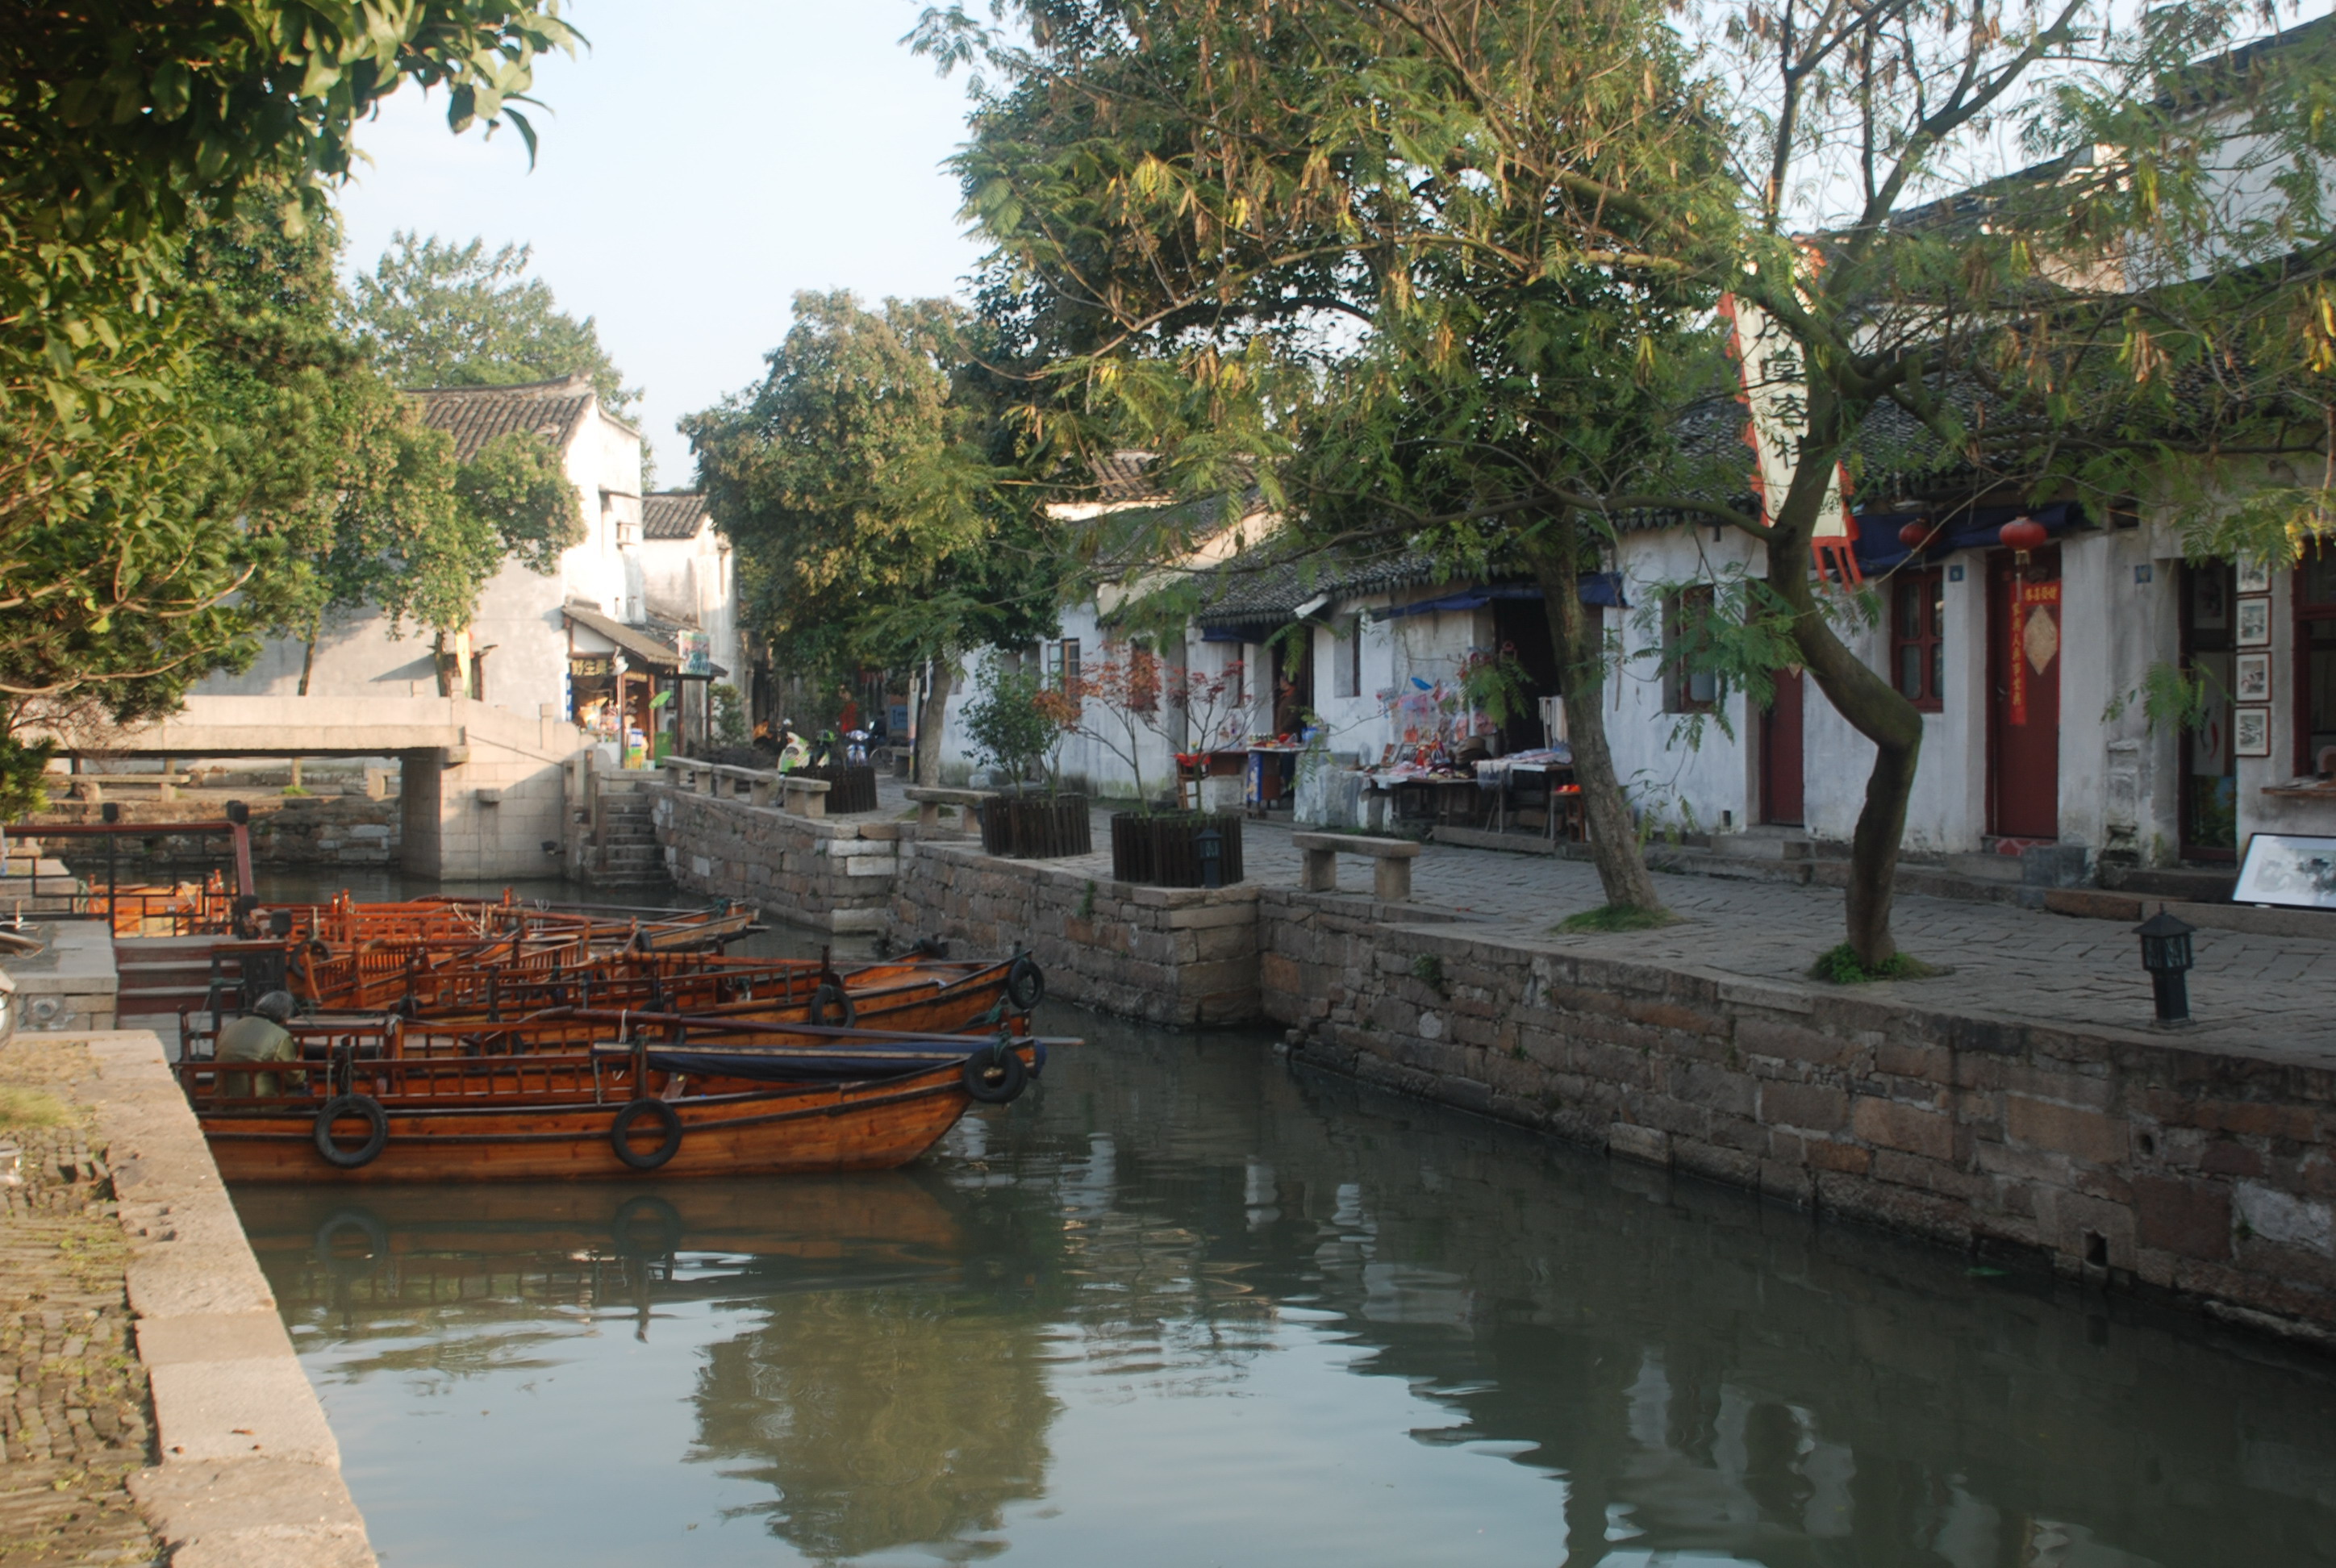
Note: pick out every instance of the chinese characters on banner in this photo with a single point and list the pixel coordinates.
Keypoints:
(2035, 627)
(1776, 397)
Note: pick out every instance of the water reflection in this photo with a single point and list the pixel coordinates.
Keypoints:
(1181, 1307)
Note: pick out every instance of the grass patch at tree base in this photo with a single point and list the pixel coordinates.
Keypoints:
(1841, 967)
(1617, 918)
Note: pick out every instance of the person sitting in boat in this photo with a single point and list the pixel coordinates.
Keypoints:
(794, 751)
(259, 1036)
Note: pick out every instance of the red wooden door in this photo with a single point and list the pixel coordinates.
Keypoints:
(1780, 753)
(2024, 682)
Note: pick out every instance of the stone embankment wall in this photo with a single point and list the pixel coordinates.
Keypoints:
(2116, 1155)
(832, 872)
(285, 829)
(1175, 956)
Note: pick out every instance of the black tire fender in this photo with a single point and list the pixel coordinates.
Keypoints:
(376, 1130)
(664, 1115)
(994, 1074)
(1025, 982)
(831, 1004)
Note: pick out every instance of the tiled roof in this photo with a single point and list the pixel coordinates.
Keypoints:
(1120, 479)
(672, 514)
(649, 641)
(476, 415)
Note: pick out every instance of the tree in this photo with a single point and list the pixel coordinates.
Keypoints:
(1011, 725)
(873, 492)
(1182, 191)
(435, 313)
(1255, 231)
(168, 428)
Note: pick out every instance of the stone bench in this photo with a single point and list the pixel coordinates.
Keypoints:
(1391, 862)
(760, 786)
(931, 799)
(805, 797)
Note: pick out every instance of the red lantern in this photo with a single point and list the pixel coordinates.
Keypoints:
(2023, 534)
(1917, 533)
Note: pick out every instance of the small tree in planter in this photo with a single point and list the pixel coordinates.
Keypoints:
(1211, 706)
(1119, 698)
(1017, 728)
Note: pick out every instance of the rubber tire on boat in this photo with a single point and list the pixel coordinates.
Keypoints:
(995, 1076)
(666, 1117)
(831, 1003)
(1025, 982)
(376, 1130)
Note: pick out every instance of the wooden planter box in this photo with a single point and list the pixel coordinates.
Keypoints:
(1162, 852)
(1036, 827)
(854, 787)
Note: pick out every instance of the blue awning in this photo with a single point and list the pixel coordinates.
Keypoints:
(1879, 550)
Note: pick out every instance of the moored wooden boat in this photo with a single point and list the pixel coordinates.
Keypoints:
(370, 1111)
(508, 977)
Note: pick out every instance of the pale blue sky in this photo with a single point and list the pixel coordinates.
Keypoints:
(703, 160)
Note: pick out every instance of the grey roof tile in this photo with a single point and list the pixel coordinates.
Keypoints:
(476, 415)
(672, 514)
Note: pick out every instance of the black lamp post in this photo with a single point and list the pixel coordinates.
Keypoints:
(1210, 845)
(2165, 954)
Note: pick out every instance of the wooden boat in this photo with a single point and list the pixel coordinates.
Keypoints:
(927, 994)
(612, 1108)
(343, 923)
(497, 980)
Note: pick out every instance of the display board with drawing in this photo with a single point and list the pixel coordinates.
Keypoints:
(2288, 869)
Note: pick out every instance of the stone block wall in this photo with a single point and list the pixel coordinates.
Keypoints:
(1181, 957)
(285, 829)
(2116, 1155)
(832, 872)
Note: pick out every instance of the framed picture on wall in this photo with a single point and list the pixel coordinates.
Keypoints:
(2251, 731)
(2254, 576)
(2254, 622)
(2251, 677)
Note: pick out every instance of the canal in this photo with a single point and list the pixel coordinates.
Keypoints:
(1181, 1305)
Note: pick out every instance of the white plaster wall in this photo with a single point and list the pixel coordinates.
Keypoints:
(1704, 779)
(518, 614)
(1357, 724)
(1109, 775)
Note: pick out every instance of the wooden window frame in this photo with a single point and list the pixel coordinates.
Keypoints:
(1679, 691)
(2306, 613)
(1930, 639)
(1347, 660)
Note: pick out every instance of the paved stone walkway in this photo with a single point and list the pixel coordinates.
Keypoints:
(72, 1397)
(2262, 995)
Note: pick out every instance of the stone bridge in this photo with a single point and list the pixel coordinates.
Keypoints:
(483, 789)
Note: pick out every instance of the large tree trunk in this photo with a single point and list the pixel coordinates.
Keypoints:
(1874, 707)
(1556, 563)
(931, 714)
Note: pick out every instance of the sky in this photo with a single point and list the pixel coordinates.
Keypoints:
(701, 163)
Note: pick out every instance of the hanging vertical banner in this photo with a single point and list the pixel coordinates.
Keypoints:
(1776, 397)
(2034, 625)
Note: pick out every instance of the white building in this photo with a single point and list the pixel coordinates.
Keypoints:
(514, 654)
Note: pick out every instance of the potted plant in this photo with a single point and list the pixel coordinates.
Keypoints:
(1118, 699)
(1017, 728)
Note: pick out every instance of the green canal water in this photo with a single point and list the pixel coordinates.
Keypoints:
(1182, 1306)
